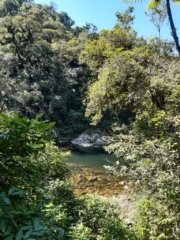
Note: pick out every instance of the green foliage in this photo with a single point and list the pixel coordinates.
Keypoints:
(28, 165)
(155, 221)
(99, 220)
(153, 5)
(120, 83)
(39, 68)
(118, 74)
(143, 79)
(36, 201)
(125, 19)
(109, 44)
(149, 151)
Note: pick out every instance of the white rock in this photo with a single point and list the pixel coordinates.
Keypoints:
(88, 140)
(126, 187)
(122, 183)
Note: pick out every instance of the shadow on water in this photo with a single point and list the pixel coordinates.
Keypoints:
(91, 157)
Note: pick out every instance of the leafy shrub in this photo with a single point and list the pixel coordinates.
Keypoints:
(28, 164)
(36, 201)
(99, 220)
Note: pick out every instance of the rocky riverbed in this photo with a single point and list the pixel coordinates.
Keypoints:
(88, 180)
(118, 191)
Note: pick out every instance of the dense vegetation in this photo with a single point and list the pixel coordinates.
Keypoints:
(39, 66)
(142, 77)
(36, 201)
(71, 75)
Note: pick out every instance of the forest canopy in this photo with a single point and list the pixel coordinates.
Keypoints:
(58, 79)
(40, 72)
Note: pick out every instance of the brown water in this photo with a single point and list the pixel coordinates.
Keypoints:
(89, 175)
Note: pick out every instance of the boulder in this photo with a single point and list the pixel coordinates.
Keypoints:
(89, 139)
(99, 142)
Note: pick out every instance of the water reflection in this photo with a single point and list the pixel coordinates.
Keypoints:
(91, 157)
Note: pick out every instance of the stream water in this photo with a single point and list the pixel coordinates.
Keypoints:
(93, 158)
(89, 175)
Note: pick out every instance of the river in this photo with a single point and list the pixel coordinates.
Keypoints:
(89, 175)
(94, 158)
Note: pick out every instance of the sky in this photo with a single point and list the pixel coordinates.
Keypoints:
(102, 14)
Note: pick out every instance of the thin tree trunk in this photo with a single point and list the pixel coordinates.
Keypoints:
(173, 29)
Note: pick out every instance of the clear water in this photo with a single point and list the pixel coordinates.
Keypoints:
(93, 158)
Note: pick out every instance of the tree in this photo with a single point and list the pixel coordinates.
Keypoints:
(157, 17)
(173, 29)
(148, 147)
(125, 19)
(154, 4)
(39, 65)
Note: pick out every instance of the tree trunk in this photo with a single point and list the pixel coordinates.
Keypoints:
(173, 29)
